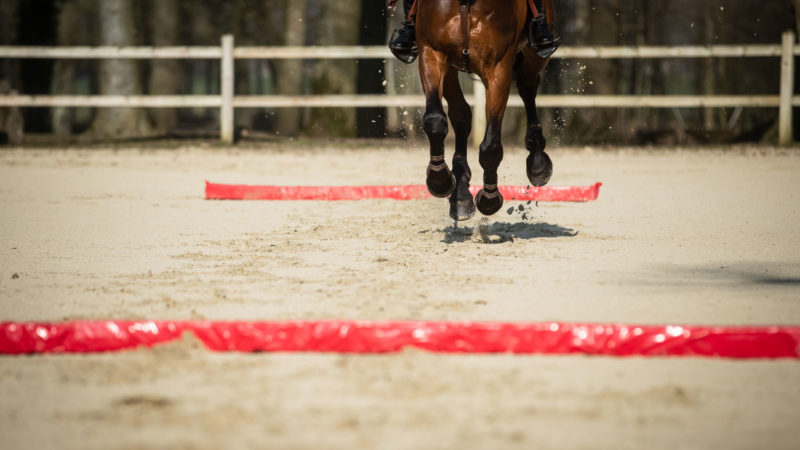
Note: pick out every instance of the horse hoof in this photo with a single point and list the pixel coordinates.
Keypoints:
(462, 209)
(440, 180)
(539, 168)
(488, 202)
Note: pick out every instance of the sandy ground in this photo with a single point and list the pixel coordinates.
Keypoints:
(678, 236)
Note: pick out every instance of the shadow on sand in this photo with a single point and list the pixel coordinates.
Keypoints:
(500, 232)
(739, 273)
(762, 275)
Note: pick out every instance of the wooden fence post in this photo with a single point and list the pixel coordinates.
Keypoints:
(227, 90)
(785, 136)
(478, 112)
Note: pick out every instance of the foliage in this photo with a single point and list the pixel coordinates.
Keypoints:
(343, 22)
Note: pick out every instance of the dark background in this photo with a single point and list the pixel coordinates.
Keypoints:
(343, 22)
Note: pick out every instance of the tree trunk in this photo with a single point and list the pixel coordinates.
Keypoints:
(255, 24)
(74, 28)
(10, 118)
(341, 20)
(165, 74)
(119, 77)
(570, 76)
(12, 123)
(289, 73)
(201, 79)
(708, 66)
(797, 16)
(64, 69)
(602, 27)
(15, 124)
(796, 111)
(8, 36)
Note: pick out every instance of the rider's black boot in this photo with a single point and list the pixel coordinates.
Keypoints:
(543, 41)
(404, 43)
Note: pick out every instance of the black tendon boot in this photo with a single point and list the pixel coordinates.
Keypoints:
(403, 43)
(543, 41)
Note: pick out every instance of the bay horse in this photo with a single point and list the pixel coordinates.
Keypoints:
(490, 41)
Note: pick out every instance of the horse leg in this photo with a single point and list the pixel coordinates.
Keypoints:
(538, 165)
(462, 207)
(432, 67)
(498, 84)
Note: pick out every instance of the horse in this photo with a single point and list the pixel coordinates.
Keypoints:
(489, 39)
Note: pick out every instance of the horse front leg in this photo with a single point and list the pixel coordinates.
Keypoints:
(489, 199)
(462, 206)
(432, 67)
(538, 167)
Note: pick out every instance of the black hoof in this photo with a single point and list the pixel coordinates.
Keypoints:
(440, 181)
(462, 206)
(462, 209)
(488, 202)
(539, 168)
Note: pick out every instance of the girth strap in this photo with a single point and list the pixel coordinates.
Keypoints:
(464, 6)
(465, 32)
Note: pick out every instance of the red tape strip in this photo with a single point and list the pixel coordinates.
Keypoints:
(383, 337)
(215, 191)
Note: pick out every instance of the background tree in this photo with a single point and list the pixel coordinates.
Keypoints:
(11, 119)
(165, 75)
(290, 74)
(339, 24)
(201, 77)
(77, 25)
(255, 23)
(8, 36)
(119, 77)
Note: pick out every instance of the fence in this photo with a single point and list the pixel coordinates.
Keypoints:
(228, 102)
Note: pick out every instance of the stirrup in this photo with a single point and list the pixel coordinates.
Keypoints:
(406, 56)
(537, 28)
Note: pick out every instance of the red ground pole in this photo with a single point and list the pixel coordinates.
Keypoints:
(612, 340)
(216, 191)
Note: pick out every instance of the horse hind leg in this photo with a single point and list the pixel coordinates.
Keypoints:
(462, 206)
(432, 66)
(538, 166)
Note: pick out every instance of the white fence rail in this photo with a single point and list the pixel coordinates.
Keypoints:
(228, 102)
